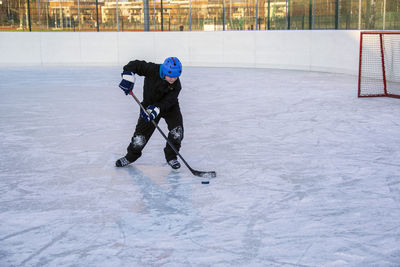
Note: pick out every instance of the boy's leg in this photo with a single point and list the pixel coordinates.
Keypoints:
(175, 126)
(143, 132)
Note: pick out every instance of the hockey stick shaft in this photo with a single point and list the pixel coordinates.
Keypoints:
(194, 172)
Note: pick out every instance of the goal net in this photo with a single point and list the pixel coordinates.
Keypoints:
(379, 69)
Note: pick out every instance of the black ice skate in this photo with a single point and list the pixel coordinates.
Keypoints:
(174, 164)
(122, 162)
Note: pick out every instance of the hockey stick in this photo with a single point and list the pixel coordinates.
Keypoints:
(210, 174)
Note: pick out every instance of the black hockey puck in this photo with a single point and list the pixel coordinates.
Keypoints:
(205, 182)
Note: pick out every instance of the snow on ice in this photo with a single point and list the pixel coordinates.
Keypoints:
(307, 173)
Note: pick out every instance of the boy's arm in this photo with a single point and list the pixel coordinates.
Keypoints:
(141, 67)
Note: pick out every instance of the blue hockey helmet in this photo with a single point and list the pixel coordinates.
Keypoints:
(171, 67)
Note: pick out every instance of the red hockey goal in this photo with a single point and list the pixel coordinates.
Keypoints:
(379, 69)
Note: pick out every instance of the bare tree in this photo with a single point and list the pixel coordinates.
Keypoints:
(372, 13)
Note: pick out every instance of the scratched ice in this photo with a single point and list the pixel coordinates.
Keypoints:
(307, 173)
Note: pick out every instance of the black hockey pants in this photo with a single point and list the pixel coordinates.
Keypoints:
(144, 130)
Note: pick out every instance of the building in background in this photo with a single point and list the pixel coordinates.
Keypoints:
(197, 15)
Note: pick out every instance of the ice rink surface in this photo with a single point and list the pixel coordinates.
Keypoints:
(307, 173)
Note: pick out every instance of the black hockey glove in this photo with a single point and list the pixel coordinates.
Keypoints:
(152, 110)
(128, 81)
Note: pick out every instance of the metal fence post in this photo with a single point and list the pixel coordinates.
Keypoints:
(269, 14)
(29, 17)
(337, 14)
(146, 15)
(97, 14)
(288, 13)
(162, 17)
(310, 15)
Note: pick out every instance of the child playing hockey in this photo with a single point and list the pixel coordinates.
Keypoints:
(160, 98)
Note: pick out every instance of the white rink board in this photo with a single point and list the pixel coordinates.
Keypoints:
(318, 50)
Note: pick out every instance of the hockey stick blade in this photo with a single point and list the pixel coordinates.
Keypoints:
(211, 174)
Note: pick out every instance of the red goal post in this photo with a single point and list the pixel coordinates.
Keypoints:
(379, 64)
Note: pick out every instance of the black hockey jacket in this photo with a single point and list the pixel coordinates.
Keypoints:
(156, 91)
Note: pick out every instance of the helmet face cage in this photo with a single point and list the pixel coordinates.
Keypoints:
(171, 67)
